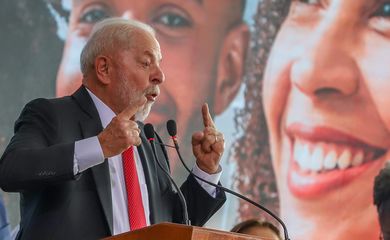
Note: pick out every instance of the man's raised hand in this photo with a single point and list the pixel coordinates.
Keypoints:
(122, 132)
(208, 145)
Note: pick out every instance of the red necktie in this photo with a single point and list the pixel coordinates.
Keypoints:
(134, 198)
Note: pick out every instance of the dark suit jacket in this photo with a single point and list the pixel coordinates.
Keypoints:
(55, 204)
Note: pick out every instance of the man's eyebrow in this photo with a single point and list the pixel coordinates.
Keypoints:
(151, 55)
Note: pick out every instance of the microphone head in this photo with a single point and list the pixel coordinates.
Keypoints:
(149, 131)
(171, 127)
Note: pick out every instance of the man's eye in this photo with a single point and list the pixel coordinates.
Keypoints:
(383, 10)
(146, 64)
(173, 20)
(94, 15)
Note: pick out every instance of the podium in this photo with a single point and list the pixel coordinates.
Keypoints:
(171, 231)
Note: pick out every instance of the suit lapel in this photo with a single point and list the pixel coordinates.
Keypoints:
(91, 126)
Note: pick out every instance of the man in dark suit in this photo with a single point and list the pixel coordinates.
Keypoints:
(72, 158)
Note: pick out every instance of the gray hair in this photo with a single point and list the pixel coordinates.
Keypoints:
(107, 35)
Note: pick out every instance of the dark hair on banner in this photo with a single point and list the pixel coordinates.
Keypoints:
(255, 177)
(382, 186)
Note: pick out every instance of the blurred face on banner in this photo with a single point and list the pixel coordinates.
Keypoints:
(326, 100)
(204, 45)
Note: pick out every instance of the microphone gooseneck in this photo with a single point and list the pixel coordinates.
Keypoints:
(171, 127)
(165, 145)
(149, 133)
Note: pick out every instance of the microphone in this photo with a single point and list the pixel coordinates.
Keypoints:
(149, 133)
(171, 127)
(172, 130)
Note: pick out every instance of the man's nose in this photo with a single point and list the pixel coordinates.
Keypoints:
(326, 66)
(157, 76)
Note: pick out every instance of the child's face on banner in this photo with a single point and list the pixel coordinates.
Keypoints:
(193, 38)
(326, 97)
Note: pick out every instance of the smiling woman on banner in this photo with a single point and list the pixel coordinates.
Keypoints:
(324, 98)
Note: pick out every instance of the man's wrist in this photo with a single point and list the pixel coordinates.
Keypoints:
(207, 169)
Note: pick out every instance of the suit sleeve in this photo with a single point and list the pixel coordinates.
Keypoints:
(201, 206)
(32, 159)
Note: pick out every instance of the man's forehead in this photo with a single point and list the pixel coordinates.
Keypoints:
(149, 44)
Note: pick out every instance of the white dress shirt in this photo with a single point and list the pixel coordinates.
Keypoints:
(88, 153)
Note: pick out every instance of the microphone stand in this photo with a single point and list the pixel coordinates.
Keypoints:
(286, 237)
(149, 130)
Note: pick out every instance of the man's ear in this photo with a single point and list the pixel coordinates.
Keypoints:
(102, 69)
(231, 67)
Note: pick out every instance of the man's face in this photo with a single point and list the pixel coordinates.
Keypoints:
(136, 75)
(191, 34)
(326, 98)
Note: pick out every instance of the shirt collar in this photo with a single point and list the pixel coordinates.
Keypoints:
(105, 113)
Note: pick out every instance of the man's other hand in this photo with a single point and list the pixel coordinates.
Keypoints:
(208, 145)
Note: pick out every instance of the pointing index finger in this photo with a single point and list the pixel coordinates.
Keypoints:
(207, 120)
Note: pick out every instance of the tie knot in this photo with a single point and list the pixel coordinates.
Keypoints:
(128, 154)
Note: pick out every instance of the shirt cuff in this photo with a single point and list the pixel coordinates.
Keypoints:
(214, 178)
(87, 153)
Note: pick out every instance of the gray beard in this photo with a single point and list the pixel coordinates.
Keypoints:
(124, 91)
(143, 113)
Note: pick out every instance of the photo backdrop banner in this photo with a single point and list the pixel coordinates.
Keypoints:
(299, 89)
